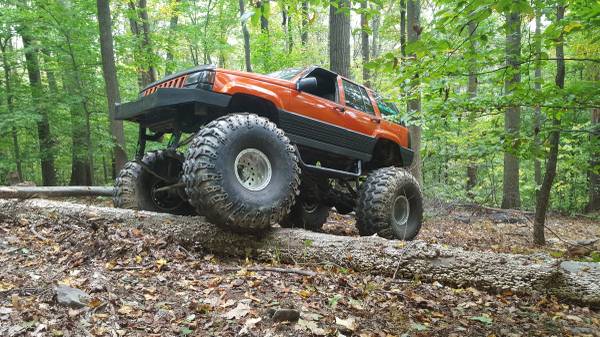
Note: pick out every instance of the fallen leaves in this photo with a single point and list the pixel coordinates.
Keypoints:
(348, 324)
(311, 326)
(485, 319)
(160, 264)
(241, 310)
(141, 286)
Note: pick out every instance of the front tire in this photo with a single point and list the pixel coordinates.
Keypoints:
(242, 173)
(135, 188)
(390, 204)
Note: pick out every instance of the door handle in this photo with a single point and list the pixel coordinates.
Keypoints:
(376, 120)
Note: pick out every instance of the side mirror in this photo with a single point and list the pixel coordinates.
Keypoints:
(307, 84)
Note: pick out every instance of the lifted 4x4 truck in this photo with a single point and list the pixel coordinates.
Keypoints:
(265, 149)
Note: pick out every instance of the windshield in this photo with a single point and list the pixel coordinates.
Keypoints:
(286, 74)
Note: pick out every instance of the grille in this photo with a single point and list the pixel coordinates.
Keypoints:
(174, 83)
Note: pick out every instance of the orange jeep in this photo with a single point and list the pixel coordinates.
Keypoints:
(265, 149)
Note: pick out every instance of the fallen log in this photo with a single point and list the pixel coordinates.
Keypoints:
(495, 272)
(28, 192)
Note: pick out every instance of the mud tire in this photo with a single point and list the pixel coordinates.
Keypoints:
(308, 212)
(212, 178)
(134, 185)
(377, 211)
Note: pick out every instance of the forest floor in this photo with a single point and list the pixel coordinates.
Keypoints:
(139, 285)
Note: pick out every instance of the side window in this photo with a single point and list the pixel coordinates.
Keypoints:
(386, 109)
(367, 101)
(389, 111)
(353, 96)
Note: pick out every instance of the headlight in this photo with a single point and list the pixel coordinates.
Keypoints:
(202, 79)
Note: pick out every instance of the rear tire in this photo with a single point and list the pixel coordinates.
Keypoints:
(308, 216)
(344, 202)
(135, 187)
(390, 204)
(308, 212)
(242, 172)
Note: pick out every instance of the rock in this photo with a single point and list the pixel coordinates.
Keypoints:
(506, 218)
(588, 242)
(285, 315)
(576, 267)
(462, 218)
(578, 251)
(98, 282)
(581, 331)
(237, 282)
(71, 297)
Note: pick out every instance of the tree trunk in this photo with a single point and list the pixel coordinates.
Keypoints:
(149, 75)
(413, 26)
(80, 165)
(147, 72)
(339, 38)
(9, 103)
(304, 33)
(50, 76)
(111, 82)
(264, 16)
(82, 153)
(471, 178)
(246, 38)
(206, 52)
(537, 117)
(594, 173)
(17, 153)
(494, 272)
(28, 192)
(511, 197)
(403, 27)
(472, 92)
(364, 36)
(286, 22)
(46, 143)
(169, 64)
(543, 199)
(375, 28)
(105, 170)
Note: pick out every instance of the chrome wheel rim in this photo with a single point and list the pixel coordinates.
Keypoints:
(253, 169)
(401, 212)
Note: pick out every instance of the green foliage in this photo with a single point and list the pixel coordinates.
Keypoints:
(458, 130)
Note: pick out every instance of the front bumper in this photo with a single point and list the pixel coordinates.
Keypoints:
(166, 101)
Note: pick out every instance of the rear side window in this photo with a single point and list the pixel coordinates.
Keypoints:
(353, 96)
(367, 101)
(386, 108)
